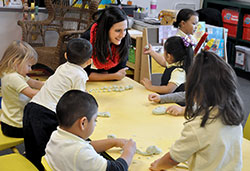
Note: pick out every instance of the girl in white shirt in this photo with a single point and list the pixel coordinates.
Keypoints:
(212, 135)
(17, 87)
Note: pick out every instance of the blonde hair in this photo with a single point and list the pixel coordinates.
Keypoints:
(18, 52)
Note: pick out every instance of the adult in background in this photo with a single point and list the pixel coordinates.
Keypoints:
(110, 40)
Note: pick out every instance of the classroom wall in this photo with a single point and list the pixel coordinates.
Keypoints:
(9, 30)
(169, 4)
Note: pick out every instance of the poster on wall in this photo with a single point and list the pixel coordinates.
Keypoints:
(12, 3)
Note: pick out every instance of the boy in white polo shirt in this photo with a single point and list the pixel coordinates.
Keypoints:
(39, 119)
(68, 148)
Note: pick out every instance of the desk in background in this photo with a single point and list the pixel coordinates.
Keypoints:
(131, 117)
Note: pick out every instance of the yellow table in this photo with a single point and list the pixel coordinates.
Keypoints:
(131, 117)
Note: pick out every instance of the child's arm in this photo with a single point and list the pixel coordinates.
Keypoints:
(129, 147)
(176, 110)
(157, 57)
(162, 163)
(35, 83)
(173, 97)
(169, 88)
(30, 92)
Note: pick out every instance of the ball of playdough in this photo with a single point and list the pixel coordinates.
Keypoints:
(160, 110)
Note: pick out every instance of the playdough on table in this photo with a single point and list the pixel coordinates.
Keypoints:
(151, 150)
(160, 110)
(103, 114)
(114, 88)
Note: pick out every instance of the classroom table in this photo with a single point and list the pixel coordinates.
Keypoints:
(131, 117)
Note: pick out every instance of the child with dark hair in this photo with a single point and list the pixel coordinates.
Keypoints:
(178, 55)
(111, 41)
(39, 119)
(77, 112)
(186, 22)
(212, 135)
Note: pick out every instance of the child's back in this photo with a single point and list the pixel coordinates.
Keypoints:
(214, 147)
(77, 114)
(39, 119)
(212, 136)
(67, 76)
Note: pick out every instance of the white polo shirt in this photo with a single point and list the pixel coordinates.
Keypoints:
(68, 76)
(13, 101)
(213, 147)
(66, 151)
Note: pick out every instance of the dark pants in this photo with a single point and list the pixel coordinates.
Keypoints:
(38, 125)
(11, 131)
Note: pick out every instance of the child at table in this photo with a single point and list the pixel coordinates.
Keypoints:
(77, 113)
(17, 87)
(186, 22)
(39, 119)
(212, 136)
(178, 54)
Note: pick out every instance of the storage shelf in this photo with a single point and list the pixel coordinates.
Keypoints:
(130, 65)
(243, 8)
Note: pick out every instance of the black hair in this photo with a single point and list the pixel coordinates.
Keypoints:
(175, 46)
(73, 105)
(211, 82)
(184, 15)
(105, 19)
(79, 50)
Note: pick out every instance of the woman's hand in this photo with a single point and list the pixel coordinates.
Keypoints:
(120, 74)
(175, 110)
(147, 83)
(154, 97)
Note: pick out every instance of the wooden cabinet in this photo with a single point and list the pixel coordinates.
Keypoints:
(136, 37)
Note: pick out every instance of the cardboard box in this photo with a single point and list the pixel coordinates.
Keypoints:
(230, 20)
(246, 27)
(167, 17)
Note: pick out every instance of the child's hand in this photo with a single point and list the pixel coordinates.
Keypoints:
(153, 166)
(120, 142)
(147, 83)
(121, 73)
(130, 146)
(148, 49)
(175, 110)
(154, 97)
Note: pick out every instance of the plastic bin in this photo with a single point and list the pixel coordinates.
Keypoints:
(230, 21)
(246, 27)
(242, 59)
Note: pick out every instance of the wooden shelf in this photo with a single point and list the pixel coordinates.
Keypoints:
(130, 65)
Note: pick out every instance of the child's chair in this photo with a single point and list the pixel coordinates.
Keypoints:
(45, 164)
(9, 142)
(246, 132)
(16, 162)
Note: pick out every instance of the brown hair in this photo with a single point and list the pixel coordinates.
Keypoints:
(211, 82)
(17, 52)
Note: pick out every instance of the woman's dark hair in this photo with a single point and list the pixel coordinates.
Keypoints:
(175, 46)
(211, 82)
(105, 19)
(78, 51)
(184, 15)
(74, 105)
